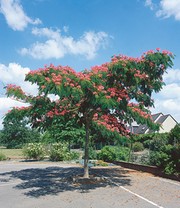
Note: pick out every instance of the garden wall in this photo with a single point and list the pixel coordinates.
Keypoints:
(149, 169)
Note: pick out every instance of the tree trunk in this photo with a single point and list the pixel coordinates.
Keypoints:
(86, 153)
(130, 151)
(69, 145)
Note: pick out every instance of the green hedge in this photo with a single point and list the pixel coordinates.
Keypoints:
(164, 149)
(112, 153)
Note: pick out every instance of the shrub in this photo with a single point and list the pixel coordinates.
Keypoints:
(153, 141)
(174, 135)
(147, 143)
(138, 146)
(164, 150)
(59, 152)
(34, 151)
(159, 140)
(2, 157)
(92, 154)
(170, 168)
(74, 155)
(167, 157)
(107, 154)
(122, 153)
(158, 158)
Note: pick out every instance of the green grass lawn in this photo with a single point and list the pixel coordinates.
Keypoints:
(12, 153)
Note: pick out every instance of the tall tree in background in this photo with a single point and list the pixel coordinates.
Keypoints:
(16, 132)
(108, 96)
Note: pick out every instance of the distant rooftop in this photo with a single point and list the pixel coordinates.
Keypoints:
(158, 118)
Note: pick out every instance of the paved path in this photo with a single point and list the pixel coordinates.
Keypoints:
(45, 185)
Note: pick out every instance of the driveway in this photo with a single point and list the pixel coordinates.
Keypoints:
(47, 184)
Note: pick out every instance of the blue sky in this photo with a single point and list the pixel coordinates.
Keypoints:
(84, 33)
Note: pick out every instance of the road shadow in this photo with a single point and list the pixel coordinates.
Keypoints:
(37, 182)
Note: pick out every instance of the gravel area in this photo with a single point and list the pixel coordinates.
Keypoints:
(47, 184)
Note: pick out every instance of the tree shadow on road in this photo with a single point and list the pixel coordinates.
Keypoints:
(37, 182)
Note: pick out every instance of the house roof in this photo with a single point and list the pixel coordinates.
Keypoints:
(155, 116)
(162, 119)
(158, 118)
(141, 129)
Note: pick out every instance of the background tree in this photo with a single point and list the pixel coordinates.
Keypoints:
(65, 131)
(16, 132)
(109, 95)
(1, 135)
(174, 136)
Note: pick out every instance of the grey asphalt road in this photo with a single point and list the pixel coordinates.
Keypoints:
(45, 185)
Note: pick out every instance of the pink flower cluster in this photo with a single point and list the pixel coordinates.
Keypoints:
(83, 76)
(140, 75)
(119, 93)
(165, 52)
(23, 108)
(135, 108)
(56, 78)
(102, 68)
(55, 112)
(47, 70)
(61, 108)
(18, 89)
(95, 71)
(111, 123)
(125, 59)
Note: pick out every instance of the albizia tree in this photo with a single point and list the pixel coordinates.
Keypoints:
(108, 96)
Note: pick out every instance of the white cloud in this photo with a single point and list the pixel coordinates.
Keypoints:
(57, 45)
(171, 91)
(47, 50)
(169, 8)
(172, 75)
(150, 4)
(14, 74)
(15, 15)
(66, 29)
(168, 106)
(166, 8)
(168, 99)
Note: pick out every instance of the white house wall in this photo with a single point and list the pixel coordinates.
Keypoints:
(167, 125)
